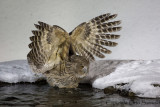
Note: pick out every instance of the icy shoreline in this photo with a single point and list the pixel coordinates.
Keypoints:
(139, 76)
(17, 71)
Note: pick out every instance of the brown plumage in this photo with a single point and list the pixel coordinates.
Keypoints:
(53, 49)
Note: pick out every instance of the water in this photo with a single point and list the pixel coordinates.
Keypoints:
(42, 95)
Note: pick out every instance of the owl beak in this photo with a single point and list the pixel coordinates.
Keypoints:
(85, 69)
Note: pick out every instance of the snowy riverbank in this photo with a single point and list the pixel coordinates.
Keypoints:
(17, 71)
(140, 77)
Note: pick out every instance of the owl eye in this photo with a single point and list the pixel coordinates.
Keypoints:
(81, 65)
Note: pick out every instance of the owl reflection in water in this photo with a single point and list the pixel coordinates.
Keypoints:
(64, 58)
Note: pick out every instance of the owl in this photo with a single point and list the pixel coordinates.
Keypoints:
(63, 58)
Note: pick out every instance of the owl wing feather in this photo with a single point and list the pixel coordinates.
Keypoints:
(50, 44)
(87, 38)
(48, 47)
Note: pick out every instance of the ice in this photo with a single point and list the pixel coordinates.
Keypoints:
(140, 76)
(17, 71)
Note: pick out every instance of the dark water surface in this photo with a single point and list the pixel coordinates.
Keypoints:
(33, 95)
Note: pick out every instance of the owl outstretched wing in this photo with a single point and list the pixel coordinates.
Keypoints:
(48, 47)
(88, 38)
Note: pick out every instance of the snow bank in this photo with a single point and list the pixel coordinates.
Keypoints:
(140, 76)
(17, 71)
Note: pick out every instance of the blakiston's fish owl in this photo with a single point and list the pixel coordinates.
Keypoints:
(64, 57)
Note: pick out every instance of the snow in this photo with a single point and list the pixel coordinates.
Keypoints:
(17, 71)
(140, 76)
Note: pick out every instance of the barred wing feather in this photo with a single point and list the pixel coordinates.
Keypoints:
(88, 38)
(49, 47)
